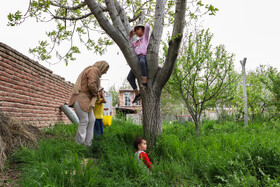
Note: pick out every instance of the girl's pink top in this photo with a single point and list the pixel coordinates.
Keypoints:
(141, 45)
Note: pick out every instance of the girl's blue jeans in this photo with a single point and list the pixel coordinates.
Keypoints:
(98, 127)
(131, 77)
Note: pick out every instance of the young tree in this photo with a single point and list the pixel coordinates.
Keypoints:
(114, 18)
(272, 84)
(202, 73)
(171, 106)
(223, 105)
(115, 95)
(259, 96)
(256, 95)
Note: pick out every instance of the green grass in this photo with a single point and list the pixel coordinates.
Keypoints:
(224, 155)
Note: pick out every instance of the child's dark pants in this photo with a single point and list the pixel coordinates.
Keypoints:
(131, 77)
(98, 127)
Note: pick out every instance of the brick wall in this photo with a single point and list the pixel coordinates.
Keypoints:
(30, 92)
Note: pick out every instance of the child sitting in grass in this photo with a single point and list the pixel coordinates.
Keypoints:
(140, 145)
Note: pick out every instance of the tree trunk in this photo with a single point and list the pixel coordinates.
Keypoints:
(152, 116)
(243, 63)
(197, 128)
(196, 120)
(157, 76)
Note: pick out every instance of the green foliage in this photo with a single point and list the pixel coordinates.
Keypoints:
(57, 161)
(202, 74)
(171, 106)
(259, 95)
(73, 19)
(272, 83)
(61, 131)
(224, 155)
(115, 95)
(41, 50)
(212, 10)
(14, 19)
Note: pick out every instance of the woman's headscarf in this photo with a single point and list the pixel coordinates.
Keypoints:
(102, 66)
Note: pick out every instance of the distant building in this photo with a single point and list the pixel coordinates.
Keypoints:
(108, 108)
(132, 111)
(126, 98)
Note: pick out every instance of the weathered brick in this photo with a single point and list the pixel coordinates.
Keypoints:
(29, 91)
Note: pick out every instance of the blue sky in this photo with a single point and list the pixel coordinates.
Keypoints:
(248, 28)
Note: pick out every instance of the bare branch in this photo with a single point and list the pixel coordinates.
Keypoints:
(155, 40)
(140, 15)
(123, 17)
(28, 8)
(68, 7)
(121, 40)
(134, 18)
(72, 19)
(141, 18)
(117, 22)
(174, 43)
(141, 7)
(83, 4)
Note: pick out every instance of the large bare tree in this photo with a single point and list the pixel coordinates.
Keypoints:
(115, 18)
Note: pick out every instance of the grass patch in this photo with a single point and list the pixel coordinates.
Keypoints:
(225, 154)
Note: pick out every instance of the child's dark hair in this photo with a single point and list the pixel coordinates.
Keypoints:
(137, 141)
(139, 26)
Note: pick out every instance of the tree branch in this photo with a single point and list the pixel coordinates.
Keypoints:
(134, 18)
(103, 8)
(123, 17)
(68, 7)
(116, 17)
(120, 25)
(155, 39)
(174, 44)
(122, 41)
(75, 18)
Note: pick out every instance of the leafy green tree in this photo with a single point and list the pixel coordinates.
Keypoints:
(115, 95)
(272, 84)
(202, 73)
(224, 104)
(255, 95)
(258, 95)
(114, 17)
(171, 106)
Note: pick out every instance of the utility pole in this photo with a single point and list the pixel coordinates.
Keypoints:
(243, 62)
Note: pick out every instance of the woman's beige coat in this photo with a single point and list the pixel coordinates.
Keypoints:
(87, 85)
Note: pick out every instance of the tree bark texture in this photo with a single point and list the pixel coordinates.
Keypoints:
(243, 63)
(152, 115)
(118, 29)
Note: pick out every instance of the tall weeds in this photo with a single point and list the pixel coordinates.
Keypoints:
(225, 154)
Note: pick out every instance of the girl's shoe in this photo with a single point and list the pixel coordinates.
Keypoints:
(144, 86)
(136, 98)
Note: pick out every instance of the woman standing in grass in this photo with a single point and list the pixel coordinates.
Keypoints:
(84, 97)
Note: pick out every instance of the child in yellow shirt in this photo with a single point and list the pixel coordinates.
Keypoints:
(98, 113)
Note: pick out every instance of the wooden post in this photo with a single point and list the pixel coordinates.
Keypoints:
(243, 62)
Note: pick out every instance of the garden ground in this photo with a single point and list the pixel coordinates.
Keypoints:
(224, 154)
